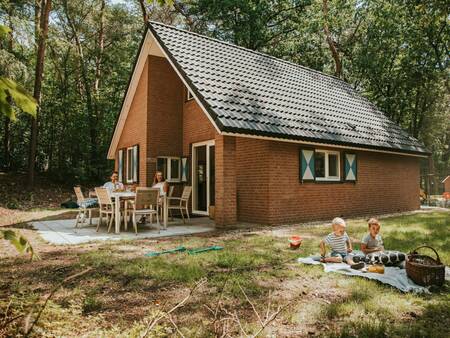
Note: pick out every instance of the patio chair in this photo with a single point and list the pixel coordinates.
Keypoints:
(85, 205)
(146, 203)
(183, 202)
(106, 207)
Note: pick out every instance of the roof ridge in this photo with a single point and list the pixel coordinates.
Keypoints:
(252, 51)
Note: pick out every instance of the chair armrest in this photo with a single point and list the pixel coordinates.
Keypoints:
(173, 198)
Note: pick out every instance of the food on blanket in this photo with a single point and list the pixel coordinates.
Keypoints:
(295, 242)
(377, 268)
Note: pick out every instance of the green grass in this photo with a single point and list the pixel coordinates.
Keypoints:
(124, 290)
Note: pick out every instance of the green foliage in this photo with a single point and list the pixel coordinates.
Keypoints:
(4, 31)
(13, 95)
(21, 244)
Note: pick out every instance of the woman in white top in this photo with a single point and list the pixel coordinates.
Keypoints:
(160, 183)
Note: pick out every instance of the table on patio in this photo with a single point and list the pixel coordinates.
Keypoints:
(124, 195)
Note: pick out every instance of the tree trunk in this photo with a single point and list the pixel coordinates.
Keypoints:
(6, 136)
(42, 12)
(331, 42)
(6, 144)
(144, 11)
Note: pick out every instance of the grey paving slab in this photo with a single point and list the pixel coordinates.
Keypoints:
(62, 232)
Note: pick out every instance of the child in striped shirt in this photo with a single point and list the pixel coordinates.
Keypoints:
(340, 244)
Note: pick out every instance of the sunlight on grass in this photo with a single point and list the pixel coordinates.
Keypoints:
(123, 277)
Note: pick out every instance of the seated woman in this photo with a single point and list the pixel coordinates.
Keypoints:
(114, 184)
(160, 183)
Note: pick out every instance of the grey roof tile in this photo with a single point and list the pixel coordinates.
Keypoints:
(248, 92)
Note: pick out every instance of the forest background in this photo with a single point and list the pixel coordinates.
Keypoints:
(75, 58)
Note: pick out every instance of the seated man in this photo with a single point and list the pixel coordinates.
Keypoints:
(114, 184)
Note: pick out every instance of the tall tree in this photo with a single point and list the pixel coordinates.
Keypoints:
(42, 12)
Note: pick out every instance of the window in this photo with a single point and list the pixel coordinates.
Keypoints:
(189, 95)
(131, 167)
(170, 167)
(326, 165)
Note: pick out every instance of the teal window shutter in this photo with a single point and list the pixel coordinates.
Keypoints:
(184, 169)
(350, 167)
(307, 165)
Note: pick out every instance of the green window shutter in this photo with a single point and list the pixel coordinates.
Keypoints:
(120, 165)
(307, 171)
(350, 167)
(184, 169)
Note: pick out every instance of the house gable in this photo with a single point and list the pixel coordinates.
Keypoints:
(149, 47)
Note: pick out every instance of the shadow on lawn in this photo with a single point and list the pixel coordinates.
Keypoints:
(432, 322)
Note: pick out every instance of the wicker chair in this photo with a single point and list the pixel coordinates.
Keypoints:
(106, 207)
(85, 205)
(146, 203)
(182, 204)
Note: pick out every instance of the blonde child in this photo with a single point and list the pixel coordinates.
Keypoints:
(340, 244)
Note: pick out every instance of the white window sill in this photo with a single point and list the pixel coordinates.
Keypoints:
(328, 179)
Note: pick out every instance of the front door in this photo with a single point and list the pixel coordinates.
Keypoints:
(203, 176)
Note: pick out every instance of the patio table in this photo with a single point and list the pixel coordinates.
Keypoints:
(117, 196)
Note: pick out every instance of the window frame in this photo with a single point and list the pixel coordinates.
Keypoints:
(327, 177)
(129, 166)
(169, 160)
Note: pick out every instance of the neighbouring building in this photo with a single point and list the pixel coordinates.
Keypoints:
(261, 139)
(446, 183)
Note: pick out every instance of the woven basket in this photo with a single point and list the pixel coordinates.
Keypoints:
(425, 270)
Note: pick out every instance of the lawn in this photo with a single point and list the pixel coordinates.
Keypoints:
(255, 275)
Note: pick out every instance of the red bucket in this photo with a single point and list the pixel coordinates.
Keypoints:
(295, 242)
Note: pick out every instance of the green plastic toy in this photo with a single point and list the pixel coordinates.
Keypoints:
(183, 249)
(158, 253)
(200, 250)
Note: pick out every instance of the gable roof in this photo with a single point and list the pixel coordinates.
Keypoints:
(250, 93)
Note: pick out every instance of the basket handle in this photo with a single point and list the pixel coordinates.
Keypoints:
(429, 247)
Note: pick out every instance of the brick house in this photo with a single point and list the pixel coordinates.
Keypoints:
(261, 139)
(446, 184)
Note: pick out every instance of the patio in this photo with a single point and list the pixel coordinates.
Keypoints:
(63, 232)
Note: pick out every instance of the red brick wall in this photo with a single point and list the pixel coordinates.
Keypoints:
(226, 209)
(447, 185)
(134, 131)
(253, 176)
(196, 126)
(385, 183)
(165, 113)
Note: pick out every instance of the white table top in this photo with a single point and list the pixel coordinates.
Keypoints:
(123, 194)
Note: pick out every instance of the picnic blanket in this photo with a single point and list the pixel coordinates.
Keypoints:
(392, 276)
